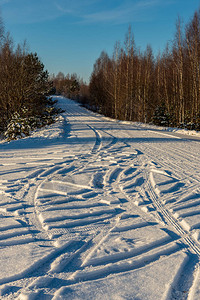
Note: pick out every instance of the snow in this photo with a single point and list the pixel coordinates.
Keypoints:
(160, 128)
(94, 208)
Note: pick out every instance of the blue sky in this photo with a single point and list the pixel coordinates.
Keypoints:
(69, 35)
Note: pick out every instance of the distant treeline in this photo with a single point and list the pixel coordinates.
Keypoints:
(137, 86)
(24, 89)
(71, 86)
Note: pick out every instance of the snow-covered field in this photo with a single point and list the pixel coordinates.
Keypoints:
(97, 209)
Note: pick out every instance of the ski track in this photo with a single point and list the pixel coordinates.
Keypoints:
(105, 200)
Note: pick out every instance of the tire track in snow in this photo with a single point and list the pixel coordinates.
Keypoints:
(120, 182)
(183, 281)
(187, 239)
(51, 172)
(152, 191)
(113, 179)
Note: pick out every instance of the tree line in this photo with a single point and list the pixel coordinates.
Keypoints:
(70, 86)
(137, 86)
(24, 89)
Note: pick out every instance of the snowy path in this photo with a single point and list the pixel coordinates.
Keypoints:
(99, 209)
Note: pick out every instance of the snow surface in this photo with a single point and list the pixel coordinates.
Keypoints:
(93, 208)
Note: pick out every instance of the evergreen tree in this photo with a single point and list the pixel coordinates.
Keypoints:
(161, 117)
(24, 90)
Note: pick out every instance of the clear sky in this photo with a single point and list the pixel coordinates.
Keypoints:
(69, 35)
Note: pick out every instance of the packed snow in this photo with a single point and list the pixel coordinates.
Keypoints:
(93, 208)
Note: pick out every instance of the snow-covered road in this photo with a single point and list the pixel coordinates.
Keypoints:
(99, 209)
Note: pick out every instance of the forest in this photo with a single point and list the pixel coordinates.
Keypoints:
(137, 86)
(24, 90)
(71, 86)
